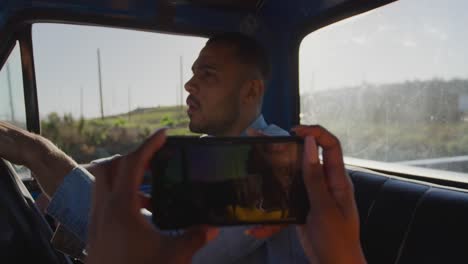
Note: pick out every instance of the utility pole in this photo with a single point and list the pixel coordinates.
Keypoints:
(129, 97)
(100, 83)
(177, 95)
(181, 81)
(81, 102)
(12, 108)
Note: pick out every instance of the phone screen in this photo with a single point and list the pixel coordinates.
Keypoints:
(228, 181)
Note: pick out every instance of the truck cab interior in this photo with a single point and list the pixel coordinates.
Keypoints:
(413, 209)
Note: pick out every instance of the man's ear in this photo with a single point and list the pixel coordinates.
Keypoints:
(253, 91)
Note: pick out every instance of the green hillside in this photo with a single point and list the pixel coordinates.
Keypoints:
(89, 139)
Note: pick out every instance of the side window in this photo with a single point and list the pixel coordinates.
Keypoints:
(12, 104)
(102, 91)
(12, 107)
(392, 84)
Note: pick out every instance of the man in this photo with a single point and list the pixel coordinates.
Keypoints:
(227, 87)
(226, 93)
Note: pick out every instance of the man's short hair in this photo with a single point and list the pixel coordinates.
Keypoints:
(248, 50)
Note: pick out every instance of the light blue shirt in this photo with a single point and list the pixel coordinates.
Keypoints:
(71, 204)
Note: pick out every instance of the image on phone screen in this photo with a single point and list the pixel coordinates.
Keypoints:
(228, 182)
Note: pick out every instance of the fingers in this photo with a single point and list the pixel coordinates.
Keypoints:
(337, 180)
(332, 153)
(4, 140)
(322, 136)
(7, 142)
(6, 125)
(329, 143)
(94, 218)
(313, 175)
(101, 192)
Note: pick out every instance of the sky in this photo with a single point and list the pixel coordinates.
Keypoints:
(138, 69)
(11, 90)
(403, 41)
(406, 40)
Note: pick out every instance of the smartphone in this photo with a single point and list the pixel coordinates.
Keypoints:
(228, 181)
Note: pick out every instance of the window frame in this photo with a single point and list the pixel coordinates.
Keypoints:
(29, 80)
(23, 37)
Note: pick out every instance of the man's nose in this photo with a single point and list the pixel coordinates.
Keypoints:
(191, 86)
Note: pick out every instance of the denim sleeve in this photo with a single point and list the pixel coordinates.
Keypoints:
(231, 245)
(71, 203)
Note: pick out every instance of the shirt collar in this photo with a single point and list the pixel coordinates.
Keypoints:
(258, 124)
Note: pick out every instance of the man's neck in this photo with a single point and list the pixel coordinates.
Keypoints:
(239, 127)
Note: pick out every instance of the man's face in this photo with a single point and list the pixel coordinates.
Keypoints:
(214, 99)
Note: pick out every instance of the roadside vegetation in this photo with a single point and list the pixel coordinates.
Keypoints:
(89, 139)
(395, 122)
(401, 142)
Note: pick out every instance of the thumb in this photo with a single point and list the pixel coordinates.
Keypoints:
(314, 177)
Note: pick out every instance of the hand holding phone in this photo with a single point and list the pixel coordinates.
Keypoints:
(331, 232)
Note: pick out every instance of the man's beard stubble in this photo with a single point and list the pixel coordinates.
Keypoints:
(220, 124)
